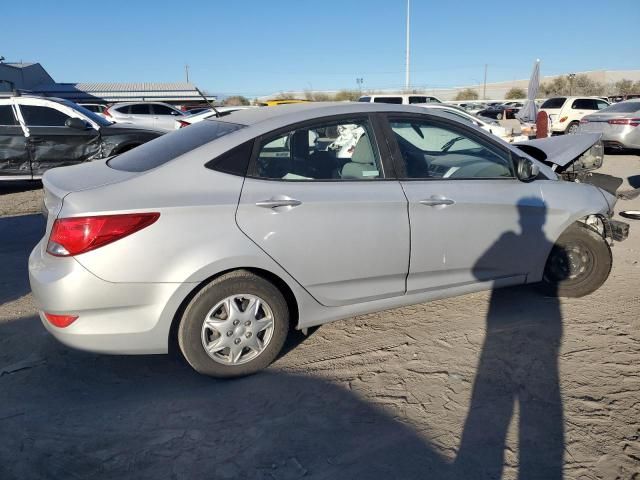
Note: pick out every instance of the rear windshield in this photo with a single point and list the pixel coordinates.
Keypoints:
(554, 102)
(163, 149)
(624, 107)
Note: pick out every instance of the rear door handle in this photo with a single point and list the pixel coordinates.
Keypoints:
(279, 202)
(433, 202)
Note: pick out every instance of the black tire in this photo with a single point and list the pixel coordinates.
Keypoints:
(572, 128)
(190, 331)
(586, 252)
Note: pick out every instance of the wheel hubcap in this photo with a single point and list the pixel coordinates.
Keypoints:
(571, 263)
(237, 329)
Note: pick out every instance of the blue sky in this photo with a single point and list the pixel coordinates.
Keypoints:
(256, 47)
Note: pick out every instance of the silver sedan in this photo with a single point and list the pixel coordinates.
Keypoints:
(619, 125)
(223, 236)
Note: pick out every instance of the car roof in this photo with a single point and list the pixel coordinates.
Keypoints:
(300, 112)
(144, 103)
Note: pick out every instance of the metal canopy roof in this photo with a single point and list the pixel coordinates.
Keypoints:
(117, 92)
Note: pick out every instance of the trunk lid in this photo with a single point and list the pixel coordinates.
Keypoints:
(57, 183)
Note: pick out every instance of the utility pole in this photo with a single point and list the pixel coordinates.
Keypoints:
(359, 82)
(484, 87)
(186, 71)
(407, 80)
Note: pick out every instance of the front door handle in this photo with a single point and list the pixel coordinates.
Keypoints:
(279, 202)
(433, 202)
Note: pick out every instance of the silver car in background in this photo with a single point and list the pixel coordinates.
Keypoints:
(619, 125)
(156, 115)
(222, 236)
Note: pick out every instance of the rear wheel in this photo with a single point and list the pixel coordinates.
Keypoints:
(579, 263)
(234, 326)
(572, 128)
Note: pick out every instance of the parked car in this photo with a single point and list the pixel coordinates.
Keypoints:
(617, 123)
(565, 113)
(473, 107)
(97, 108)
(491, 126)
(39, 133)
(223, 235)
(160, 116)
(399, 99)
(499, 112)
(514, 104)
(208, 113)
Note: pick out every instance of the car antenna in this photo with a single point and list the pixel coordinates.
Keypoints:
(208, 102)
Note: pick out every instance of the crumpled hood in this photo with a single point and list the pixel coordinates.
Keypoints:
(559, 150)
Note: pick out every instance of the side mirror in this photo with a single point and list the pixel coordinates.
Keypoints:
(526, 169)
(76, 123)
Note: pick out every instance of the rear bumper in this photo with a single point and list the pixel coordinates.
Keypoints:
(118, 318)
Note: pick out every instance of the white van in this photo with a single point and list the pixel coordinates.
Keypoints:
(399, 98)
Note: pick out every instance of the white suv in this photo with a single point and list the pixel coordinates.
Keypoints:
(156, 115)
(400, 98)
(565, 113)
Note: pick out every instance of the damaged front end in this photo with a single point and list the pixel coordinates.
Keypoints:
(572, 157)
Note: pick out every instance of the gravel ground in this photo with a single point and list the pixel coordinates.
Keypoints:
(504, 384)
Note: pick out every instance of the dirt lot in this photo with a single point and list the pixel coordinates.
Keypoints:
(556, 389)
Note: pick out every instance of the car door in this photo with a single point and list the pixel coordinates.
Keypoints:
(164, 117)
(321, 200)
(14, 157)
(140, 114)
(53, 144)
(472, 221)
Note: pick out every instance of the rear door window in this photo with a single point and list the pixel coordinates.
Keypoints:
(584, 104)
(164, 149)
(40, 116)
(415, 99)
(140, 109)
(6, 116)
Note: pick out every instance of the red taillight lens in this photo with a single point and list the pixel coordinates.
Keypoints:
(73, 236)
(60, 321)
(106, 113)
(634, 122)
(563, 119)
(183, 124)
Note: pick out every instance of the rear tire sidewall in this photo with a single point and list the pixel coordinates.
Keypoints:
(600, 253)
(234, 283)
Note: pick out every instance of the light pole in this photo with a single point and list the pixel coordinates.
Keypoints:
(571, 77)
(407, 80)
(359, 82)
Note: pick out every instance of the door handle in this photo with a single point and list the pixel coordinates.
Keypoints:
(279, 202)
(433, 202)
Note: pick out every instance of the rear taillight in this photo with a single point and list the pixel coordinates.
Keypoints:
(106, 112)
(60, 321)
(76, 235)
(634, 122)
(563, 119)
(183, 124)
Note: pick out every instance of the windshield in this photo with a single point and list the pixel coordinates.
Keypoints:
(171, 145)
(103, 122)
(624, 107)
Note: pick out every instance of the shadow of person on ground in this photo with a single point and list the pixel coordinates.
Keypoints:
(634, 181)
(18, 237)
(518, 367)
(73, 414)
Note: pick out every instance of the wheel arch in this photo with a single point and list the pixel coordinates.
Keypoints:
(281, 284)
